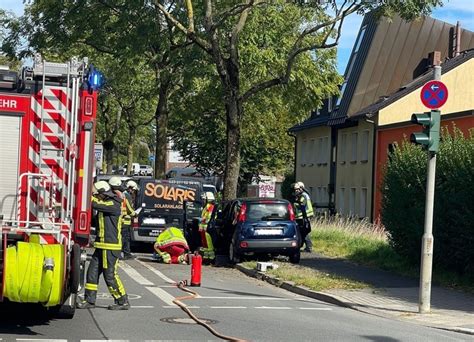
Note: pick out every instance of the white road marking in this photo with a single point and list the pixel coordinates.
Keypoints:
(176, 307)
(158, 273)
(245, 298)
(228, 307)
(142, 307)
(162, 294)
(318, 309)
(39, 339)
(273, 307)
(132, 273)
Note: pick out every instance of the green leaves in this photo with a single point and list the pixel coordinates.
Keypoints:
(403, 202)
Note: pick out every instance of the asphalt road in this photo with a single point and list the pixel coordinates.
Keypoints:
(232, 303)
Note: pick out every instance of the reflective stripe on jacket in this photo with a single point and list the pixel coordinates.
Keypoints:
(206, 216)
(303, 203)
(170, 236)
(109, 234)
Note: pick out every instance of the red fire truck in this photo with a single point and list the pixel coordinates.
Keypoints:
(47, 133)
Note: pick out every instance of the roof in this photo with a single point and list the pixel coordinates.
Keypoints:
(311, 122)
(447, 66)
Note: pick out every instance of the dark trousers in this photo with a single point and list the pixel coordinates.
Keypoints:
(126, 237)
(305, 228)
(105, 262)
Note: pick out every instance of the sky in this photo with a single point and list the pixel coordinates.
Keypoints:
(452, 11)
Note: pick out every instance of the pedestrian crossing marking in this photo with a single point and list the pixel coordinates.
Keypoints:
(132, 273)
(158, 273)
(162, 294)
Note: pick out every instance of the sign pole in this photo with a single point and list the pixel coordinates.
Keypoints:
(426, 267)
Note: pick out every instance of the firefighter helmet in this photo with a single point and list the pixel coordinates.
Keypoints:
(115, 181)
(298, 185)
(100, 187)
(132, 184)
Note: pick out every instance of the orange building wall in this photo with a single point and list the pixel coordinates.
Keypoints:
(390, 135)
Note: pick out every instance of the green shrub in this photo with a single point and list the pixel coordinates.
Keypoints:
(403, 203)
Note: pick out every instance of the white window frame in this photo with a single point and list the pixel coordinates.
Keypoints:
(354, 142)
(320, 150)
(311, 152)
(325, 150)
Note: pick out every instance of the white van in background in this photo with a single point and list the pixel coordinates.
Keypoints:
(135, 171)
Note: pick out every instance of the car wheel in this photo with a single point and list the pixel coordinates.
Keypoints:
(295, 257)
(233, 254)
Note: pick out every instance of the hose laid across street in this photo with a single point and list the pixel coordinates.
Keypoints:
(177, 301)
(34, 273)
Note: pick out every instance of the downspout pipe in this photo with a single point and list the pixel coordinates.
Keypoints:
(374, 162)
(295, 152)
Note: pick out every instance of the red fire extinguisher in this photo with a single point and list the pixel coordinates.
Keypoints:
(196, 266)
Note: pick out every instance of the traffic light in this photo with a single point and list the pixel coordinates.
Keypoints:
(429, 138)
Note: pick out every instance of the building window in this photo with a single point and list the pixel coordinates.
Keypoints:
(340, 201)
(359, 39)
(325, 150)
(354, 147)
(343, 148)
(325, 196)
(365, 146)
(320, 151)
(391, 150)
(352, 200)
(334, 154)
(311, 153)
(303, 153)
(343, 89)
(363, 203)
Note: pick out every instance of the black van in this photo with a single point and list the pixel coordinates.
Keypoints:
(162, 204)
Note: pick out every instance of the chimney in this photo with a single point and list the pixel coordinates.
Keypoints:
(458, 40)
(434, 58)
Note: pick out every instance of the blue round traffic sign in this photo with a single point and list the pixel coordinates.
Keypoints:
(434, 94)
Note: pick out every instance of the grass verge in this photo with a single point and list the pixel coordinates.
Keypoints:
(312, 279)
(367, 244)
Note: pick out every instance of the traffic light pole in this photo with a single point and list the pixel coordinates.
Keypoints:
(426, 267)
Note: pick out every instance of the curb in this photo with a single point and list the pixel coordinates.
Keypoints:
(290, 286)
(301, 290)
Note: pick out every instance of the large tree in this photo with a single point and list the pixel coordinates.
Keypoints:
(124, 30)
(217, 26)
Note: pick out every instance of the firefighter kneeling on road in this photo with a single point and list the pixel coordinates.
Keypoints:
(171, 246)
(108, 245)
(206, 217)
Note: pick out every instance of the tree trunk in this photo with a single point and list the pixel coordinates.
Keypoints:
(232, 167)
(161, 119)
(131, 141)
(109, 159)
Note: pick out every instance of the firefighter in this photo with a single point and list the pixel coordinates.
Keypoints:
(126, 217)
(206, 216)
(303, 213)
(171, 246)
(108, 245)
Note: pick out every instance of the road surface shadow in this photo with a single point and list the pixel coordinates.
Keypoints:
(16, 318)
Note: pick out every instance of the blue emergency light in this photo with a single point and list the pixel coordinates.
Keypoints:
(95, 79)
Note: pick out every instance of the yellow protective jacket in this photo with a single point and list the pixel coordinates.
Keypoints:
(171, 236)
(206, 216)
(303, 205)
(109, 235)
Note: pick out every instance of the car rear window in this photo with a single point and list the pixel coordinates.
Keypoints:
(267, 211)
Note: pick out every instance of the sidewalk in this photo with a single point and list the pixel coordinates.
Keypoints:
(391, 296)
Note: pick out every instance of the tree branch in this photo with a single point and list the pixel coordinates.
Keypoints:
(190, 34)
(296, 51)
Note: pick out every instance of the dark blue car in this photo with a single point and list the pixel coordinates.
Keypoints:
(253, 226)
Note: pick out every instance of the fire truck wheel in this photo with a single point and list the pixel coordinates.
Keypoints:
(75, 268)
(66, 310)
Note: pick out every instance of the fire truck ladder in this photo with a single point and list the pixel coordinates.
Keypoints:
(51, 214)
